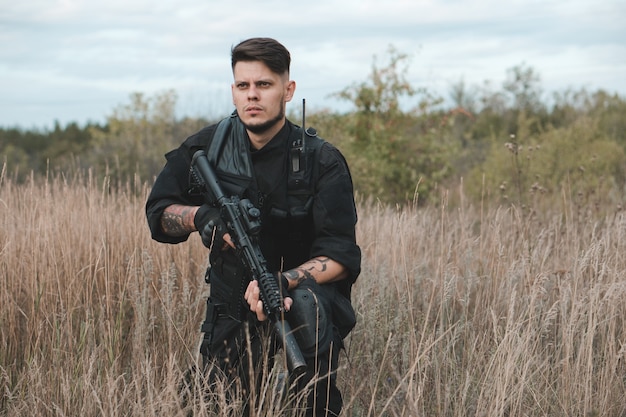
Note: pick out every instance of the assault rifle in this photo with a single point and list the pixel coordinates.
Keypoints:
(242, 219)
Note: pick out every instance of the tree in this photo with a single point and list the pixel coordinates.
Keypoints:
(524, 86)
(138, 135)
(392, 150)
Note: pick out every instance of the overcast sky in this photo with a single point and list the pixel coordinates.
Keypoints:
(76, 60)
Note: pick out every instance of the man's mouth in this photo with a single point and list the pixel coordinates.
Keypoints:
(253, 110)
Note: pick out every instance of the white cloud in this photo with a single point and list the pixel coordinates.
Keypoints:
(57, 53)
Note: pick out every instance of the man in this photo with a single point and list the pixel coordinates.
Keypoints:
(308, 219)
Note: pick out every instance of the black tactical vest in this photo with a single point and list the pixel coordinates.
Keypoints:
(227, 150)
(287, 220)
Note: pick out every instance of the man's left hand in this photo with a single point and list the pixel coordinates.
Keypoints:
(253, 297)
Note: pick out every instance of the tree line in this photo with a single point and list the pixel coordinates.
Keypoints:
(511, 143)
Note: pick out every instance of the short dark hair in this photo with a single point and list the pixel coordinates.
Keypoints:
(267, 50)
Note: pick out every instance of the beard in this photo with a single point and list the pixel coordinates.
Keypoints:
(265, 126)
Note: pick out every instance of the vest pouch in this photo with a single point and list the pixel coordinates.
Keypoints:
(278, 213)
(227, 280)
(296, 211)
(301, 210)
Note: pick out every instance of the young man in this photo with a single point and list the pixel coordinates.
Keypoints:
(308, 219)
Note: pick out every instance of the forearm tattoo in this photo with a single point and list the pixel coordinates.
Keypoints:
(308, 270)
(177, 220)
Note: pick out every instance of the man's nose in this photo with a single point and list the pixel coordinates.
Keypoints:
(253, 93)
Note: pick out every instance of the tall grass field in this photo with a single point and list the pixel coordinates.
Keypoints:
(466, 311)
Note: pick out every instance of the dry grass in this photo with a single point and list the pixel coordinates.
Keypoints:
(463, 312)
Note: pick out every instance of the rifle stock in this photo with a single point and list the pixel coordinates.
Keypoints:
(242, 220)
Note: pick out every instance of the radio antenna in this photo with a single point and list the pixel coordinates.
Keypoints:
(303, 125)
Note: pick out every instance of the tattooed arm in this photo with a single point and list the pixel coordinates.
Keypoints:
(321, 269)
(177, 220)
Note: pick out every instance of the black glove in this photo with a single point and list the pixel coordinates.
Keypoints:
(208, 218)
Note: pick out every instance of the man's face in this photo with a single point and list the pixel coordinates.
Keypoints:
(260, 95)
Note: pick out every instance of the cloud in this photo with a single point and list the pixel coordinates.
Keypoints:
(75, 60)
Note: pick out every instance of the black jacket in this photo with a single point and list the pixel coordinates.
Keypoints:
(327, 230)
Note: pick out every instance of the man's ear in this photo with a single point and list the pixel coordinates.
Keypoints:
(290, 90)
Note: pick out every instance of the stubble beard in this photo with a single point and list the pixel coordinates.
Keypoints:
(265, 126)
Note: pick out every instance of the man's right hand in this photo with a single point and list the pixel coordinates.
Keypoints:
(211, 227)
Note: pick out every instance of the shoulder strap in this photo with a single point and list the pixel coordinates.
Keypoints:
(219, 135)
(227, 150)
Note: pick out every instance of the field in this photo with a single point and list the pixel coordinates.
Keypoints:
(468, 311)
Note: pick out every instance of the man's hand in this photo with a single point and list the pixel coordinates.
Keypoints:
(253, 297)
(208, 222)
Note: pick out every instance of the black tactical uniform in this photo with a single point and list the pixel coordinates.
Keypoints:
(312, 216)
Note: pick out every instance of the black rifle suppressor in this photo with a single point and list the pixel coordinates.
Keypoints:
(242, 219)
